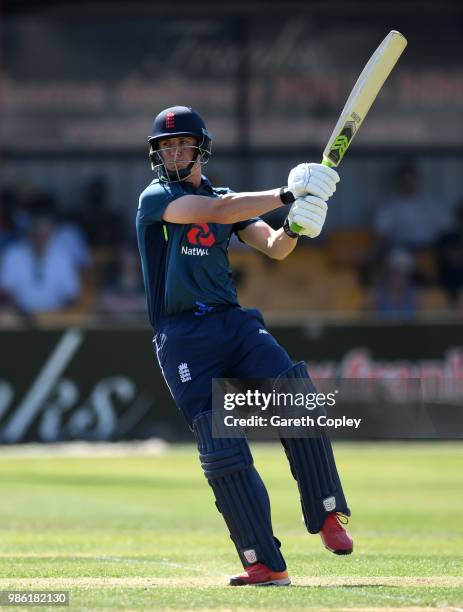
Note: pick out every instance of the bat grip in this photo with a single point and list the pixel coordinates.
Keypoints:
(294, 227)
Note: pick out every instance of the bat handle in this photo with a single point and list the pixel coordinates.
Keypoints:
(327, 162)
(294, 227)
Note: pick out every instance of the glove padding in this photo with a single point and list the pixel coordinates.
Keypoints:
(314, 179)
(309, 213)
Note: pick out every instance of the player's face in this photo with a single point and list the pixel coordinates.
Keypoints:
(178, 152)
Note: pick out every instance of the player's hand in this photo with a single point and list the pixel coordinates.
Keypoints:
(309, 212)
(314, 179)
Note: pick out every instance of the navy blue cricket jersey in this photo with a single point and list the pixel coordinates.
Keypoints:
(184, 266)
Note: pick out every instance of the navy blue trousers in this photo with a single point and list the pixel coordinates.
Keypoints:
(233, 343)
(225, 343)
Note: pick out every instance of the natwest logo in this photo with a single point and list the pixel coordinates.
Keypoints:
(200, 234)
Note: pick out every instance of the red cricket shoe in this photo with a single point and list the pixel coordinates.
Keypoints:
(334, 536)
(260, 575)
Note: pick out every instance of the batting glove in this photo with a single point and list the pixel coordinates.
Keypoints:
(313, 179)
(309, 213)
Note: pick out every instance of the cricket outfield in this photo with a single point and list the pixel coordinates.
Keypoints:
(141, 531)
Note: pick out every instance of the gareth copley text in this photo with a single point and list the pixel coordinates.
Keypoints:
(279, 421)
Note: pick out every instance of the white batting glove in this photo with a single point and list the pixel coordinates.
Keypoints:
(314, 179)
(309, 213)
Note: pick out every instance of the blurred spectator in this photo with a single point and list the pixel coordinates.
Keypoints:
(14, 214)
(410, 218)
(449, 250)
(123, 296)
(66, 235)
(394, 295)
(18, 208)
(37, 274)
(103, 226)
(69, 238)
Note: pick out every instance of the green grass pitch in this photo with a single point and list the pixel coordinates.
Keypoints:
(141, 532)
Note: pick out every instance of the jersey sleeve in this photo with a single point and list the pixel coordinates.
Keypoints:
(153, 202)
(241, 225)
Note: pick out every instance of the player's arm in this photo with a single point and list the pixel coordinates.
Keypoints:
(226, 209)
(311, 185)
(273, 243)
(314, 179)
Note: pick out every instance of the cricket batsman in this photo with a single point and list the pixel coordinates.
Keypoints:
(184, 225)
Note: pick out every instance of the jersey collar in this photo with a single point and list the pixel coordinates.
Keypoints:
(205, 188)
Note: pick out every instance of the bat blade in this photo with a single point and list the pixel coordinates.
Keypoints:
(363, 95)
(361, 98)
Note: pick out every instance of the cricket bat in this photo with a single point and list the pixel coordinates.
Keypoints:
(361, 98)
